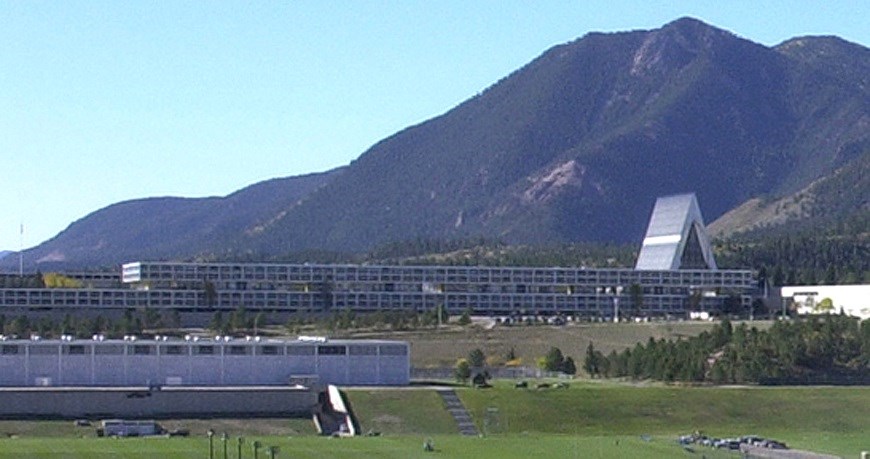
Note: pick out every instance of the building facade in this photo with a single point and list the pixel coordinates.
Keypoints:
(675, 274)
(201, 362)
(853, 300)
(481, 290)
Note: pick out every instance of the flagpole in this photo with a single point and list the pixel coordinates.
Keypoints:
(21, 251)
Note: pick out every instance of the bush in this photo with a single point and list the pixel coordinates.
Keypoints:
(462, 371)
(465, 318)
(476, 358)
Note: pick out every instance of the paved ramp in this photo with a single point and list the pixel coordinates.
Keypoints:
(456, 409)
(757, 452)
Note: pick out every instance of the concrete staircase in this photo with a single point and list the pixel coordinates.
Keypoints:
(456, 409)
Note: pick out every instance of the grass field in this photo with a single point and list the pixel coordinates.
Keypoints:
(589, 419)
(430, 348)
(827, 419)
(404, 446)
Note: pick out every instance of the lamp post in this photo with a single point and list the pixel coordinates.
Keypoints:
(256, 446)
(241, 441)
(616, 291)
(272, 450)
(210, 434)
(224, 438)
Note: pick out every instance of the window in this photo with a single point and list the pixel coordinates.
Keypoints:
(205, 350)
(238, 350)
(392, 349)
(142, 350)
(363, 350)
(174, 350)
(9, 350)
(75, 349)
(109, 349)
(44, 350)
(300, 350)
(269, 350)
(331, 350)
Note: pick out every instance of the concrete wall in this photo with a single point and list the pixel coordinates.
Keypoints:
(139, 402)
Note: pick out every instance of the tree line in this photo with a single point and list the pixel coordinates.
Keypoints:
(131, 323)
(838, 254)
(820, 347)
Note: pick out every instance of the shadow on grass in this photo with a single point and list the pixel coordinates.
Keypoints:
(439, 383)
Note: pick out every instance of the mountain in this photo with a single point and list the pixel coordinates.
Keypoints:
(833, 199)
(167, 228)
(577, 144)
(574, 146)
(4, 253)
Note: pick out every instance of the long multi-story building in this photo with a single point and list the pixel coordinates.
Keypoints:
(675, 274)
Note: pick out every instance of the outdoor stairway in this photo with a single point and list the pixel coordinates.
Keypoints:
(457, 410)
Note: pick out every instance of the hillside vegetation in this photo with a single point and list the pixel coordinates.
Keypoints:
(829, 349)
(573, 147)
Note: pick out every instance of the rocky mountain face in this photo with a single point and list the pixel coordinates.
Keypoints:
(574, 146)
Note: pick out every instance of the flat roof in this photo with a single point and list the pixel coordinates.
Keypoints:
(264, 388)
(213, 341)
(408, 267)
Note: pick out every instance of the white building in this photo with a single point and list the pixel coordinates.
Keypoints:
(202, 362)
(853, 300)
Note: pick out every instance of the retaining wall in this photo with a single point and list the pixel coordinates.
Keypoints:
(142, 402)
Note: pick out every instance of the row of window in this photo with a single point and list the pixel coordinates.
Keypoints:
(338, 273)
(204, 349)
(361, 300)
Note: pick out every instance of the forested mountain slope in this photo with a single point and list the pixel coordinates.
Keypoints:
(573, 147)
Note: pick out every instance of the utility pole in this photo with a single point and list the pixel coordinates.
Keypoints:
(21, 251)
(210, 435)
(616, 291)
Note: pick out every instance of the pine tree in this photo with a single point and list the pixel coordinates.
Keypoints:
(569, 367)
(591, 363)
(476, 358)
(554, 359)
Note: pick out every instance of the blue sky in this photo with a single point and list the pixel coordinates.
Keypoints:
(106, 101)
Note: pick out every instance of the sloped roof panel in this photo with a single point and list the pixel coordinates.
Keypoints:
(672, 220)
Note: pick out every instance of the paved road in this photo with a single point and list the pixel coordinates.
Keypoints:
(767, 453)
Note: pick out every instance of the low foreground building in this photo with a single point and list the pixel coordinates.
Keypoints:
(136, 378)
(202, 362)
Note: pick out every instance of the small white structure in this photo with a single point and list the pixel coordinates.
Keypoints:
(124, 428)
(853, 300)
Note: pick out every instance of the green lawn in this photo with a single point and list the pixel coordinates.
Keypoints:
(404, 446)
(826, 419)
(589, 419)
(401, 412)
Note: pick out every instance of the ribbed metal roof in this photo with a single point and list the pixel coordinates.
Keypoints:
(673, 220)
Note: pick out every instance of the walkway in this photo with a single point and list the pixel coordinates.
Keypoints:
(457, 410)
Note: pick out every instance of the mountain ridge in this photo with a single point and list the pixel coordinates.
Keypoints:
(573, 146)
(185, 225)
